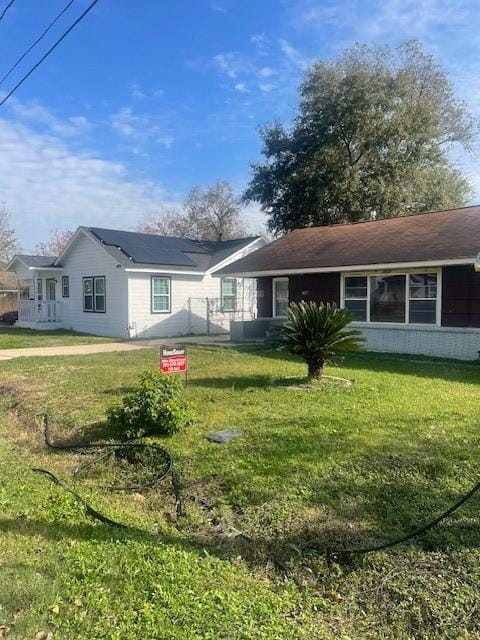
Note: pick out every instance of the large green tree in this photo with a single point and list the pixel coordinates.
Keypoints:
(371, 138)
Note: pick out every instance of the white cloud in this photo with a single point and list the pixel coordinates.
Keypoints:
(136, 92)
(231, 64)
(33, 112)
(140, 129)
(46, 185)
(266, 72)
(383, 19)
(293, 56)
(126, 123)
(259, 40)
(218, 8)
(266, 87)
(241, 87)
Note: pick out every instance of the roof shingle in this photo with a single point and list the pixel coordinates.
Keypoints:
(434, 236)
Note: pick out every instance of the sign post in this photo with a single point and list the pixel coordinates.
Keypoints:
(174, 359)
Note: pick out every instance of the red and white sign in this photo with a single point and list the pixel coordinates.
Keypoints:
(173, 359)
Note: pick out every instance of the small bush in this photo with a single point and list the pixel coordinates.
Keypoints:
(155, 407)
(9, 317)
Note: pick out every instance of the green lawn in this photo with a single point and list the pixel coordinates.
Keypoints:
(13, 338)
(341, 466)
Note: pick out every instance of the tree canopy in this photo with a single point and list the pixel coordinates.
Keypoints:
(55, 244)
(208, 214)
(371, 139)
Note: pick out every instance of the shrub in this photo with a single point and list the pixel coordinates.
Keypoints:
(155, 407)
(9, 317)
(318, 332)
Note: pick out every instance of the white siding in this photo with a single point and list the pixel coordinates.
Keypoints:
(87, 258)
(189, 294)
(188, 312)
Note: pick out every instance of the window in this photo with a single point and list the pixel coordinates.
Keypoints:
(65, 287)
(280, 297)
(229, 294)
(161, 290)
(356, 297)
(400, 298)
(423, 298)
(25, 288)
(387, 298)
(39, 289)
(94, 294)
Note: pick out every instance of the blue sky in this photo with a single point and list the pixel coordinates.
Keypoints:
(145, 99)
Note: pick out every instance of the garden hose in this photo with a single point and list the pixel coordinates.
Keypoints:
(168, 470)
(342, 553)
(119, 450)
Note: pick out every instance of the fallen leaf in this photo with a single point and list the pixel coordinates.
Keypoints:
(77, 602)
(41, 635)
(55, 609)
(4, 631)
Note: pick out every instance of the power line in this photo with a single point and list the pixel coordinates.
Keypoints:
(2, 15)
(40, 37)
(52, 48)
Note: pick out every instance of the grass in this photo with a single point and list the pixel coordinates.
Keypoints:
(16, 338)
(342, 466)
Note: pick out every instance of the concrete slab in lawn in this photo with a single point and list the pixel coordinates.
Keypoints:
(71, 350)
(226, 435)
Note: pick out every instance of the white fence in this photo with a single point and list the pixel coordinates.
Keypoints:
(42, 311)
(206, 316)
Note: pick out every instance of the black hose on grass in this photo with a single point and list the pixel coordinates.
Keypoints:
(116, 449)
(331, 555)
(342, 553)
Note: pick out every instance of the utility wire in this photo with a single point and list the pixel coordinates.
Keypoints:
(2, 15)
(52, 48)
(40, 37)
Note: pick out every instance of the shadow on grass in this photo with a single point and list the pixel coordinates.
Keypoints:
(248, 382)
(379, 362)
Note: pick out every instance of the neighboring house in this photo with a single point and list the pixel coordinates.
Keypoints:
(411, 282)
(126, 284)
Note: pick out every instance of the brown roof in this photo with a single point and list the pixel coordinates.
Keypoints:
(436, 236)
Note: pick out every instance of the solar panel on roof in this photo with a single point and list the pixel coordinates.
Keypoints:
(150, 249)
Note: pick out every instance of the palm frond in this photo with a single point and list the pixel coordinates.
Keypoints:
(318, 332)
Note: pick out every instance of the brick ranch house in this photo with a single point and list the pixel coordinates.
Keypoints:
(410, 282)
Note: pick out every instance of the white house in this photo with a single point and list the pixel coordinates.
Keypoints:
(126, 284)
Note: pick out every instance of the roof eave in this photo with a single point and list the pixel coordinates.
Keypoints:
(226, 261)
(356, 267)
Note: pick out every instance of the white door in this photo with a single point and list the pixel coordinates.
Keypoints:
(280, 297)
(50, 307)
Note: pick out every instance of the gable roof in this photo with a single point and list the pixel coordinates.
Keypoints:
(34, 262)
(434, 237)
(37, 261)
(146, 251)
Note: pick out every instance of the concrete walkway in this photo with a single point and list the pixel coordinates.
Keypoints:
(107, 347)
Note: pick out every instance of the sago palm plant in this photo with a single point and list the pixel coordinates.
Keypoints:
(317, 333)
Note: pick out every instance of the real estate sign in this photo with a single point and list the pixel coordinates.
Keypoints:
(173, 359)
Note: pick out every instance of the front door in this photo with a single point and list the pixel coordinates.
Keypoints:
(280, 297)
(50, 288)
(50, 295)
